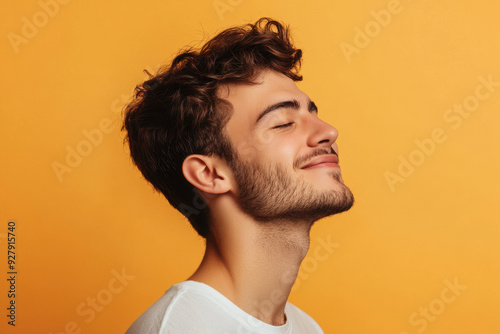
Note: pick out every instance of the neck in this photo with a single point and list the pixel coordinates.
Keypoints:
(255, 264)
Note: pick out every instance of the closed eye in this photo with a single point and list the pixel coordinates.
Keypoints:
(283, 125)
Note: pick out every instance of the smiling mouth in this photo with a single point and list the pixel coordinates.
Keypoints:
(330, 160)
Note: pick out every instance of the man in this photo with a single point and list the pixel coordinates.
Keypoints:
(225, 134)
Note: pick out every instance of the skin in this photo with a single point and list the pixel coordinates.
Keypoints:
(252, 262)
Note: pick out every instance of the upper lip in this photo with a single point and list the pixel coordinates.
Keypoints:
(322, 159)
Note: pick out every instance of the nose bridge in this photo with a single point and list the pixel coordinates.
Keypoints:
(320, 131)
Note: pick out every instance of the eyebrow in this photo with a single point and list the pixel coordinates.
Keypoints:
(291, 104)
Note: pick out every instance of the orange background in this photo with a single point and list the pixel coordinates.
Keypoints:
(394, 251)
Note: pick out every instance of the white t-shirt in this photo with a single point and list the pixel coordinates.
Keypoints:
(192, 307)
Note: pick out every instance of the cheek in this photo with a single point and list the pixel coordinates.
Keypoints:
(256, 146)
(282, 152)
(246, 151)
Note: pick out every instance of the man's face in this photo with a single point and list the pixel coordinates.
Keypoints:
(286, 163)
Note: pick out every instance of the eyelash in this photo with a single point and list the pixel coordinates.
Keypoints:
(283, 125)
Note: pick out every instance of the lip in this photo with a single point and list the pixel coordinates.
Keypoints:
(330, 160)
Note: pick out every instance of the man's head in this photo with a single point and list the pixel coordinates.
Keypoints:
(204, 105)
(285, 160)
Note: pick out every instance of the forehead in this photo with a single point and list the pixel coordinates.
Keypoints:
(248, 100)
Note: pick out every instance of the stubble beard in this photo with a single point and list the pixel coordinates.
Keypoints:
(271, 194)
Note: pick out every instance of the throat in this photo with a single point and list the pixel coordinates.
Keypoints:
(256, 271)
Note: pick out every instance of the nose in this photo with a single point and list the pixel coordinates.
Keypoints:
(321, 133)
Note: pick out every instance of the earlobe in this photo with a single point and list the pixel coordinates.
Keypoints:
(206, 174)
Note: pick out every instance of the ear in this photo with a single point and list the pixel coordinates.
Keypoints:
(209, 174)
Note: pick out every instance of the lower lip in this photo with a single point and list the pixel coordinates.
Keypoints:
(325, 164)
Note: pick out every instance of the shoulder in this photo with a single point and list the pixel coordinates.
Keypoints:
(301, 321)
(182, 309)
(178, 302)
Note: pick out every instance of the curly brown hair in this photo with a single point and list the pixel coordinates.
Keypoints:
(177, 112)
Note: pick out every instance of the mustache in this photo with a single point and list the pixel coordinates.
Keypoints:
(319, 151)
